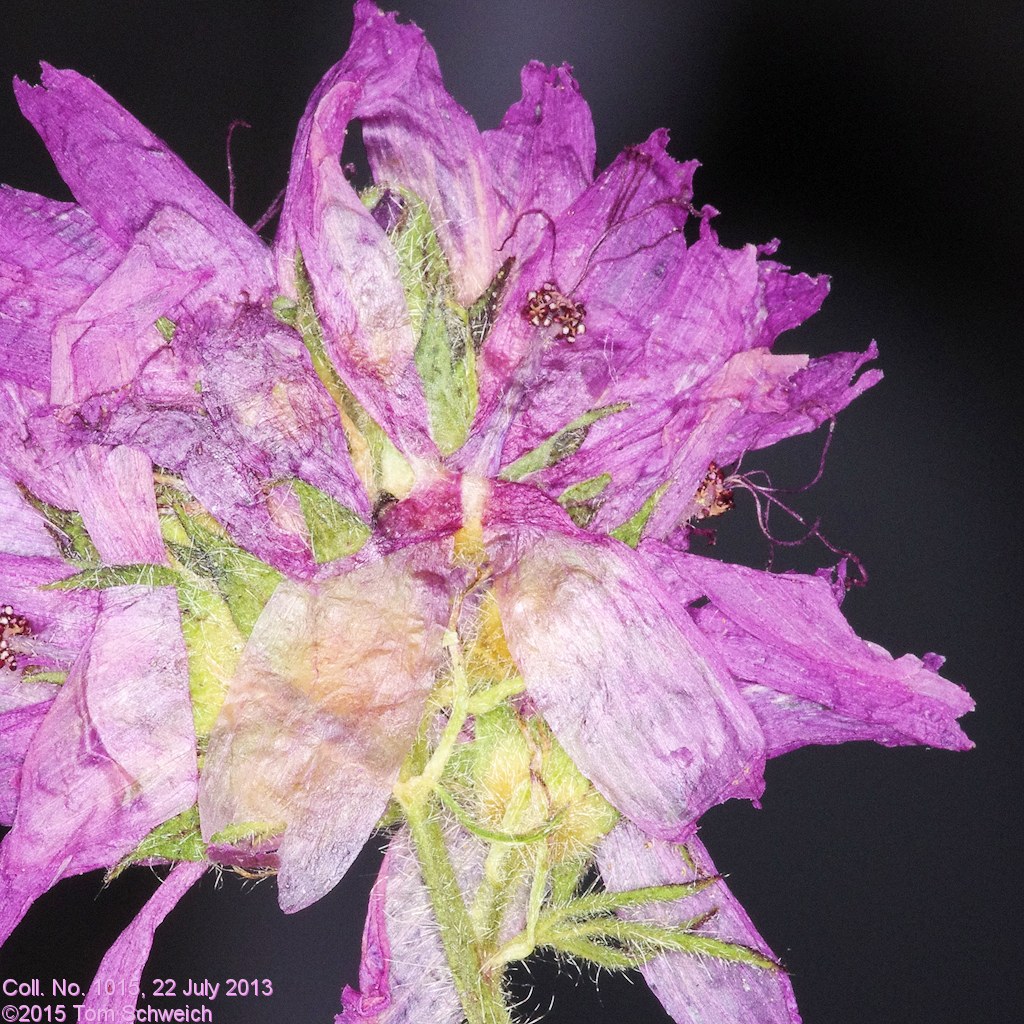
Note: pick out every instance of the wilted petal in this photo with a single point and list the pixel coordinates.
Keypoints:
(697, 990)
(542, 156)
(113, 489)
(403, 975)
(18, 725)
(322, 712)
(114, 994)
(416, 135)
(52, 255)
(34, 444)
(21, 528)
(353, 270)
(114, 757)
(630, 688)
(174, 266)
(120, 172)
(616, 249)
(808, 677)
(237, 410)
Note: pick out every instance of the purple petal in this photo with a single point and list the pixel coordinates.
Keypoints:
(121, 173)
(61, 623)
(35, 444)
(353, 269)
(113, 489)
(403, 976)
(542, 156)
(258, 417)
(617, 250)
(697, 990)
(313, 731)
(114, 757)
(21, 527)
(631, 689)
(416, 135)
(52, 256)
(18, 726)
(115, 992)
(808, 677)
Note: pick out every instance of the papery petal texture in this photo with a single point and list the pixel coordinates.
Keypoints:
(237, 410)
(114, 757)
(416, 134)
(52, 256)
(697, 990)
(632, 692)
(115, 992)
(313, 731)
(353, 270)
(119, 172)
(835, 689)
(541, 157)
(403, 975)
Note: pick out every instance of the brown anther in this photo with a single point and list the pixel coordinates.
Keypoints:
(548, 306)
(712, 497)
(10, 625)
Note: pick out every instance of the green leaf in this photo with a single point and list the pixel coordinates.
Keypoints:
(334, 530)
(632, 530)
(560, 445)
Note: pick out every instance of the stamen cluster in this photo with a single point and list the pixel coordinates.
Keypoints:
(11, 625)
(549, 306)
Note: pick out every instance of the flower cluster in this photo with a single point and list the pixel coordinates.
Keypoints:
(385, 525)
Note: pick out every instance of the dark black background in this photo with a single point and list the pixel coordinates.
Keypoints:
(883, 144)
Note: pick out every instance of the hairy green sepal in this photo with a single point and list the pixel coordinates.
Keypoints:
(445, 353)
(559, 445)
(174, 840)
(334, 529)
(632, 530)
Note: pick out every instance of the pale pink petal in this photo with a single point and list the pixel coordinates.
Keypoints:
(113, 489)
(115, 992)
(114, 757)
(634, 694)
(697, 990)
(403, 975)
(322, 712)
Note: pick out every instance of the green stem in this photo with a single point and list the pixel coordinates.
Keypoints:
(481, 996)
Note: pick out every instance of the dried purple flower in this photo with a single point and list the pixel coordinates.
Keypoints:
(385, 526)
